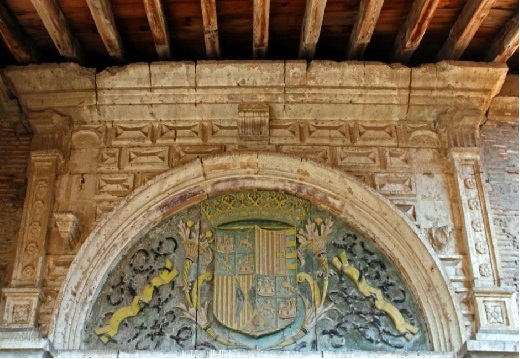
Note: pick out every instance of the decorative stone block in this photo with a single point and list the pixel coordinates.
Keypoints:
(114, 185)
(328, 133)
(395, 184)
(286, 132)
(147, 158)
(361, 159)
(375, 134)
(132, 133)
(496, 310)
(21, 307)
(397, 159)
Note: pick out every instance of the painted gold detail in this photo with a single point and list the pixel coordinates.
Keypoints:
(255, 205)
(315, 238)
(166, 276)
(315, 289)
(341, 263)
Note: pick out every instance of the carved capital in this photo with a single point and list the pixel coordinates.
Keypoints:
(21, 307)
(69, 227)
(460, 128)
(50, 130)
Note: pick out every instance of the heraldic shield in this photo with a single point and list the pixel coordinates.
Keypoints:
(255, 289)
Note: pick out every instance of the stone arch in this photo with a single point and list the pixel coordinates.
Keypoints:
(360, 206)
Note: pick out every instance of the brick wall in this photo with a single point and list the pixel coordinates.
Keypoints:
(499, 142)
(14, 153)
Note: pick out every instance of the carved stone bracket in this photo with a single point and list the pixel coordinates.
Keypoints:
(253, 123)
(69, 227)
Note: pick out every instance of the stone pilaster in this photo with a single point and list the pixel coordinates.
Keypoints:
(23, 297)
(495, 317)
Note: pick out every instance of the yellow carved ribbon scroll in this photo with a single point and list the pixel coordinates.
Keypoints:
(341, 263)
(166, 276)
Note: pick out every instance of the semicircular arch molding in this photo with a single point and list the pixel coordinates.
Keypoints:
(341, 194)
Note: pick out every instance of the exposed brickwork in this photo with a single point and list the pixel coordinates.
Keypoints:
(499, 142)
(14, 153)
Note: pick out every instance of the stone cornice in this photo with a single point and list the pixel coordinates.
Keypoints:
(294, 89)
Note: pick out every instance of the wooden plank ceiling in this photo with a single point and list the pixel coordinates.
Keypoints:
(101, 33)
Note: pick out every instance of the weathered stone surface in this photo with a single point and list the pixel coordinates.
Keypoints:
(152, 139)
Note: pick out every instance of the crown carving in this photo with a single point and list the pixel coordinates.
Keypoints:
(256, 205)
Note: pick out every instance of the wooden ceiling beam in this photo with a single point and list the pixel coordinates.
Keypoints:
(19, 45)
(260, 28)
(366, 21)
(505, 42)
(58, 28)
(412, 32)
(209, 22)
(311, 28)
(465, 27)
(159, 28)
(101, 11)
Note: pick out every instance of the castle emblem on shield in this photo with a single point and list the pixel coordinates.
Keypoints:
(255, 289)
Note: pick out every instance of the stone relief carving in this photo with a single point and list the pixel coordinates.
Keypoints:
(481, 247)
(494, 313)
(470, 183)
(477, 226)
(440, 237)
(485, 270)
(257, 269)
(68, 226)
(473, 204)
